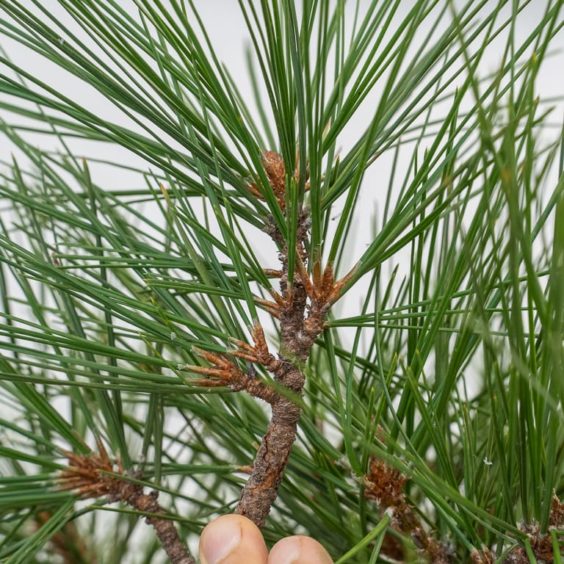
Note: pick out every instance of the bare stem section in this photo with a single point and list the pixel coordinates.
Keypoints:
(94, 476)
(261, 488)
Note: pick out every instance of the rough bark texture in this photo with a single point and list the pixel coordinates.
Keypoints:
(301, 309)
(94, 476)
(133, 495)
(271, 460)
(261, 489)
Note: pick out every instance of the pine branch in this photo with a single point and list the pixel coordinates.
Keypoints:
(457, 351)
(301, 309)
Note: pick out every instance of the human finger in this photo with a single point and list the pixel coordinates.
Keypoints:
(232, 539)
(298, 549)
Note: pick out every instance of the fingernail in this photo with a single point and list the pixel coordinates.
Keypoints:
(219, 539)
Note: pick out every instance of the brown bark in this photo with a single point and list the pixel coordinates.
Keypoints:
(94, 476)
(261, 489)
(166, 532)
(297, 337)
(271, 460)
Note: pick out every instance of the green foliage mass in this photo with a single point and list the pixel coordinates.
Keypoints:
(445, 355)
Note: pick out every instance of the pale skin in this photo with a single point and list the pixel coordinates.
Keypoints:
(234, 539)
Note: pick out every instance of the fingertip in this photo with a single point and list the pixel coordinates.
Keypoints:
(298, 549)
(232, 539)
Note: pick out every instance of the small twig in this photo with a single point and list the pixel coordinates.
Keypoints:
(261, 489)
(386, 485)
(94, 476)
(224, 372)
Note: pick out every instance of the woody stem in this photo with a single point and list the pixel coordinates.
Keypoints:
(261, 489)
(165, 530)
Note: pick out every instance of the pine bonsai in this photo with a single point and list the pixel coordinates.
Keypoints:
(335, 307)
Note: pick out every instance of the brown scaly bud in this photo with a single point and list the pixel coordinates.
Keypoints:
(321, 289)
(273, 165)
(90, 476)
(275, 169)
(94, 476)
(556, 513)
(384, 484)
(225, 372)
(541, 544)
(257, 353)
(276, 173)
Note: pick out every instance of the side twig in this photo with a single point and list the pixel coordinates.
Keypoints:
(94, 476)
(386, 485)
